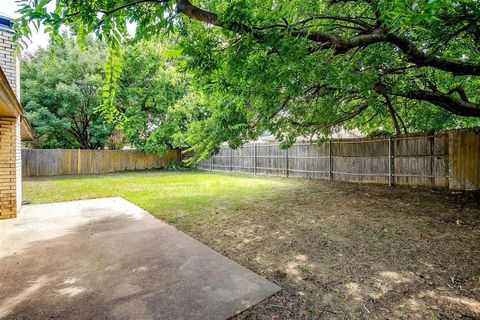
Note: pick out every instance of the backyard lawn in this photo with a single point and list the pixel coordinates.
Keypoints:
(338, 250)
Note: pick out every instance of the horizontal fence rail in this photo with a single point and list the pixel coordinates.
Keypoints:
(54, 162)
(411, 160)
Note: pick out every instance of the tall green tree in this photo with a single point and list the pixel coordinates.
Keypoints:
(156, 101)
(60, 93)
(302, 67)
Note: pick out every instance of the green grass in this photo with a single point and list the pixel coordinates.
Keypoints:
(182, 198)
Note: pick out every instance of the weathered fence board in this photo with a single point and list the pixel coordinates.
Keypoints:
(445, 159)
(464, 160)
(54, 162)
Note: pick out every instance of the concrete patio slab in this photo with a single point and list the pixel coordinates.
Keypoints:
(109, 259)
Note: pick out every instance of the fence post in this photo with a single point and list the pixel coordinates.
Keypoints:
(330, 160)
(255, 159)
(432, 160)
(286, 163)
(230, 164)
(390, 171)
(79, 162)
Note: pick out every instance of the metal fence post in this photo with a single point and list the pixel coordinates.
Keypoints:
(390, 171)
(330, 160)
(286, 163)
(255, 159)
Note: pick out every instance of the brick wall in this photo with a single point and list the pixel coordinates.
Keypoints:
(18, 163)
(9, 135)
(9, 60)
(10, 138)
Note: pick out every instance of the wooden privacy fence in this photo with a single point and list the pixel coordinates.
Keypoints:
(446, 159)
(54, 162)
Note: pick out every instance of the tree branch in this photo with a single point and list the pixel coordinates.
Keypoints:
(460, 91)
(350, 115)
(393, 114)
(127, 5)
(434, 96)
(341, 45)
(445, 101)
(193, 12)
(421, 58)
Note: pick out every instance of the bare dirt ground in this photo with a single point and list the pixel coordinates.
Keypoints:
(353, 251)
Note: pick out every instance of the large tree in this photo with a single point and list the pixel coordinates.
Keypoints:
(303, 66)
(60, 92)
(155, 100)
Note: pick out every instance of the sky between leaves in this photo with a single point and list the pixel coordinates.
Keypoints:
(39, 38)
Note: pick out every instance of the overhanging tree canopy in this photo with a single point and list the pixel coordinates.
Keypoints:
(299, 67)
